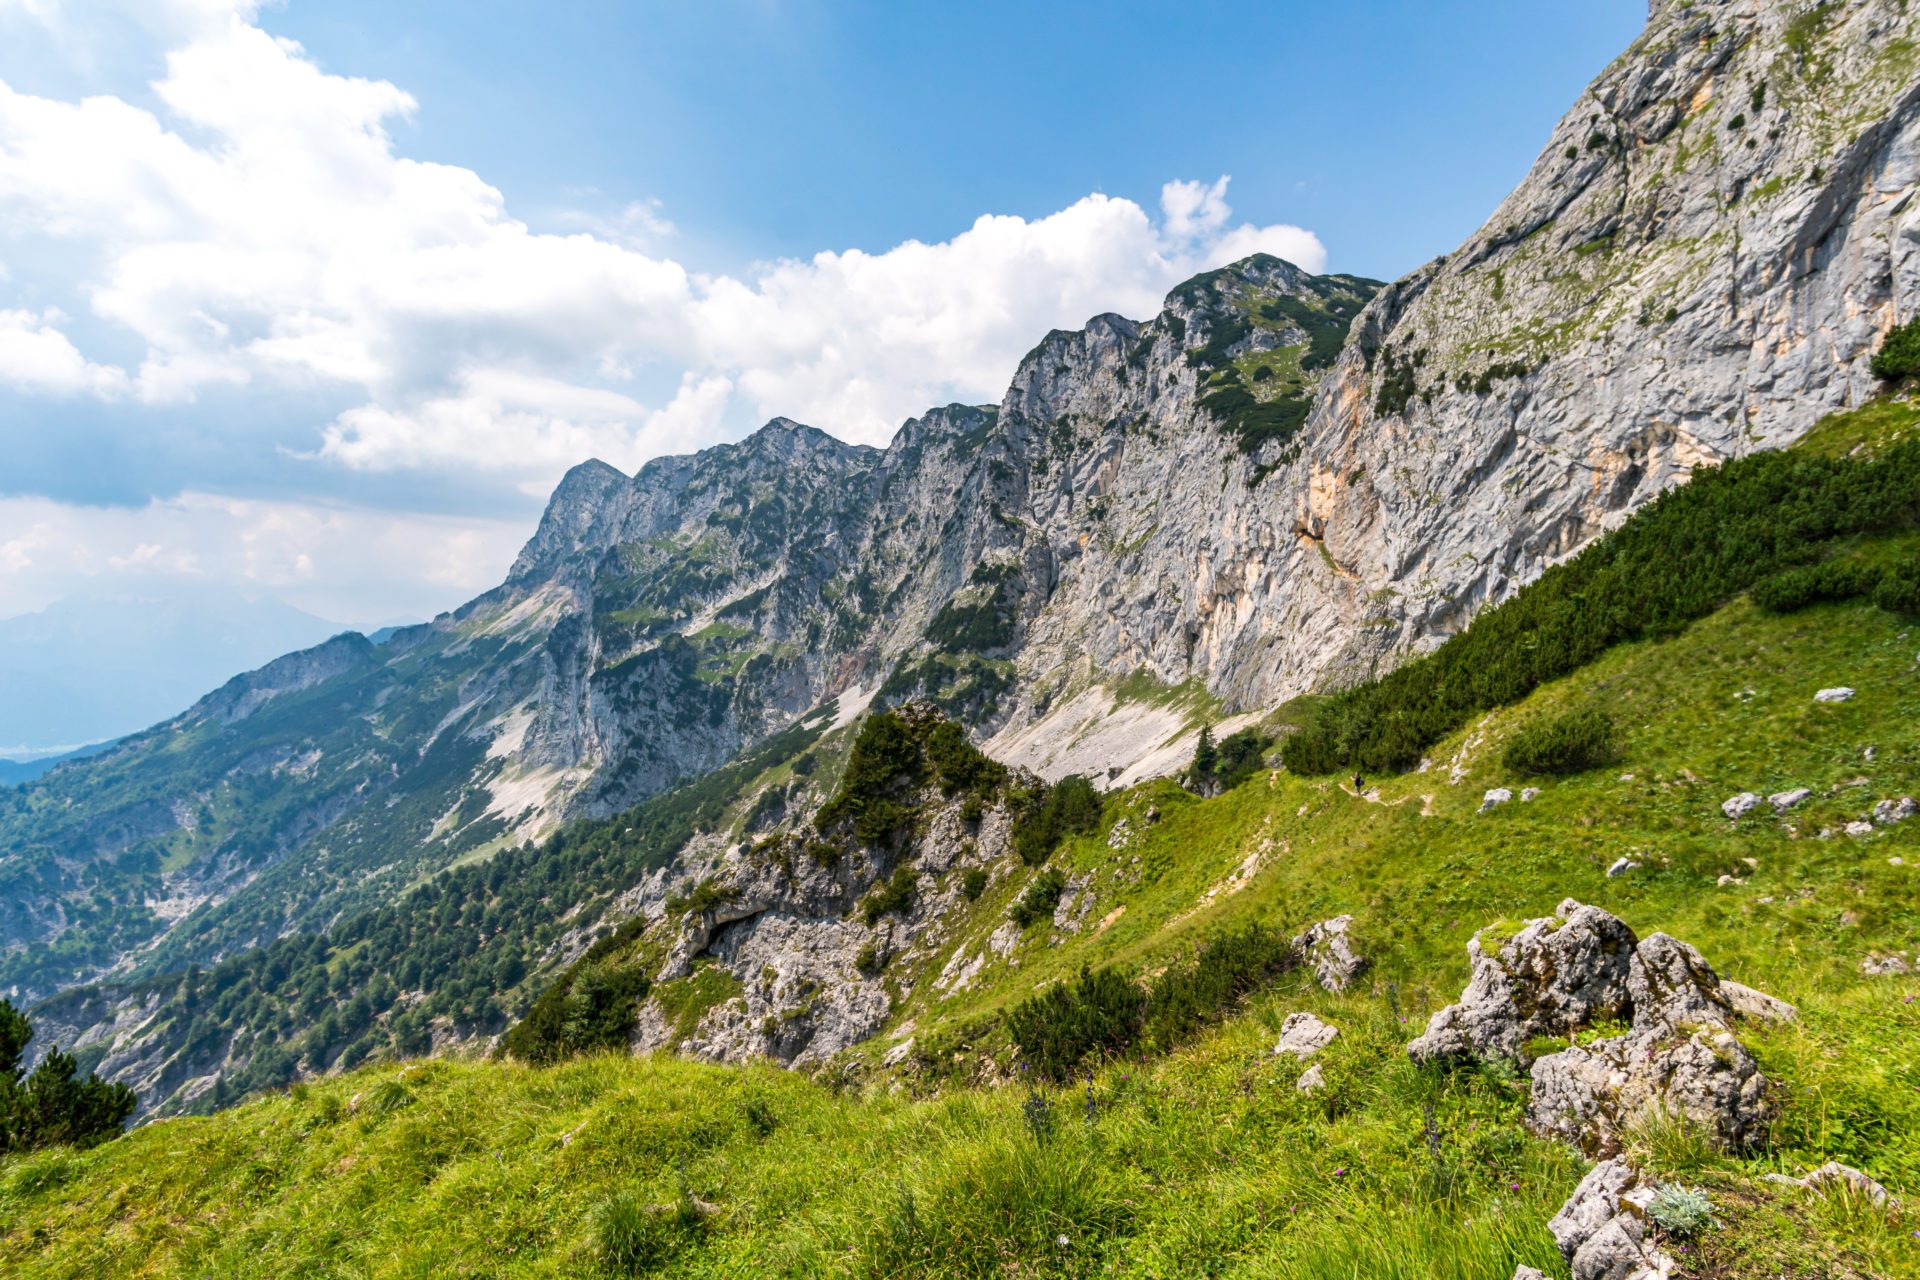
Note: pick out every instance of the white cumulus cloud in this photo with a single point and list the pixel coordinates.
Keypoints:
(250, 225)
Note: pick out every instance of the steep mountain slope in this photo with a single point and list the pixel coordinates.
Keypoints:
(1210, 1159)
(1279, 483)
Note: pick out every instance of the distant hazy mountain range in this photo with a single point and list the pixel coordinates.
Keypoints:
(92, 668)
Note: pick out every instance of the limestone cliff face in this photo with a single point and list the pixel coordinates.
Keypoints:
(1699, 264)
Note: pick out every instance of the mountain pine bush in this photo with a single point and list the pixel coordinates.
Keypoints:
(1899, 355)
(1571, 743)
(1185, 999)
(1070, 806)
(1097, 1014)
(1795, 589)
(54, 1104)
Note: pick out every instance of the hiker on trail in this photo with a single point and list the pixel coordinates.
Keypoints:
(1359, 785)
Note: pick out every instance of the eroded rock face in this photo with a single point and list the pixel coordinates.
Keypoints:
(1603, 1229)
(1328, 950)
(1583, 967)
(809, 968)
(1552, 977)
(1587, 1095)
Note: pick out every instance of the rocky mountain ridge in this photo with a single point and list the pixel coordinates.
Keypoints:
(1280, 482)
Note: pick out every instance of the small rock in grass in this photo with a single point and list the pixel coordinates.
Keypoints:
(1785, 800)
(1740, 806)
(1497, 796)
(1620, 867)
(1840, 694)
(1835, 1174)
(1756, 1005)
(1896, 861)
(1878, 966)
(1312, 1080)
(1859, 828)
(1528, 794)
(1726, 880)
(1888, 812)
(1304, 1035)
(1525, 1272)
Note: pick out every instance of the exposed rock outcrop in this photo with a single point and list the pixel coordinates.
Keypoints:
(1603, 1230)
(1580, 970)
(1328, 950)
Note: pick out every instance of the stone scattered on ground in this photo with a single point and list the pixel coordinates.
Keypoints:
(1312, 1080)
(1888, 812)
(1727, 879)
(1581, 968)
(1741, 805)
(1840, 694)
(1620, 867)
(1859, 828)
(1328, 950)
(1525, 1272)
(1495, 798)
(1785, 800)
(1878, 966)
(1836, 1176)
(1529, 793)
(1602, 1228)
(1304, 1035)
(1756, 1005)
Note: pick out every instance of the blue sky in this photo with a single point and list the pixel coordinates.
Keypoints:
(317, 300)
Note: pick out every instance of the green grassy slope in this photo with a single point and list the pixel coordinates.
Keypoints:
(1206, 1161)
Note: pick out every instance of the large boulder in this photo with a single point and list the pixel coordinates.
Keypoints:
(1553, 977)
(1579, 969)
(1587, 1095)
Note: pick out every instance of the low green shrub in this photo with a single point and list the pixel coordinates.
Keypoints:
(973, 883)
(1794, 589)
(1680, 1211)
(1899, 355)
(1898, 590)
(960, 766)
(1185, 999)
(1041, 897)
(591, 1007)
(1097, 1014)
(1107, 1013)
(895, 896)
(1044, 818)
(885, 762)
(1564, 744)
(1222, 766)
